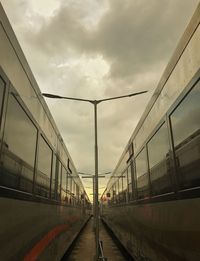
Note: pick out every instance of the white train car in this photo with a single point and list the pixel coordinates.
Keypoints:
(42, 200)
(152, 200)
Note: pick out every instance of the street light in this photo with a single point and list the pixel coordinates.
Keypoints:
(95, 103)
(89, 175)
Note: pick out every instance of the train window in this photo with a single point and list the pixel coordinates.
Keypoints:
(43, 177)
(69, 183)
(120, 189)
(64, 197)
(72, 191)
(59, 173)
(129, 180)
(74, 188)
(185, 123)
(158, 152)
(142, 174)
(72, 185)
(19, 146)
(125, 184)
(2, 90)
(125, 180)
(53, 178)
(117, 191)
(77, 193)
(120, 184)
(114, 193)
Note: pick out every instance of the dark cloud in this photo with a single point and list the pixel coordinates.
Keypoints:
(132, 37)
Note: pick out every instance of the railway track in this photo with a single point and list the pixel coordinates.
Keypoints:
(83, 248)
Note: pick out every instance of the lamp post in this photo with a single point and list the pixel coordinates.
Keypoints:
(88, 175)
(96, 190)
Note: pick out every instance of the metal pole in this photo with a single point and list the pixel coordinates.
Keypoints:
(96, 184)
(96, 190)
(93, 177)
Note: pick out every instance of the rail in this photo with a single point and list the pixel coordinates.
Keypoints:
(101, 254)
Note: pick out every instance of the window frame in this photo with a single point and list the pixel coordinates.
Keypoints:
(177, 184)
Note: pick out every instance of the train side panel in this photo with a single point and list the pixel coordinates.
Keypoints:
(31, 229)
(159, 231)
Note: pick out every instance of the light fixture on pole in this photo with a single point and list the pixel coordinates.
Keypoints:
(95, 103)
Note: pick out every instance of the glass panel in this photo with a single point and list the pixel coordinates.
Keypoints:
(120, 189)
(117, 190)
(68, 186)
(53, 179)
(19, 145)
(129, 175)
(64, 198)
(129, 180)
(125, 184)
(142, 174)
(185, 122)
(59, 180)
(158, 152)
(125, 180)
(2, 89)
(120, 184)
(70, 183)
(114, 193)
(72, 191)
(43, 177)
(77, 193)
(73, 187)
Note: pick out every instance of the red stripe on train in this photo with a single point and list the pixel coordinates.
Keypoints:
(44, 242)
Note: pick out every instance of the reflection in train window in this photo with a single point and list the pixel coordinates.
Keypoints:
(120, 189)
(64, 198)
(19, 145)
(77, 192)
(2, 89)
(114, 193)
(185, 122)
(158, 148)
(125, 180)
(59, 180)
(129, 180)
(44, 169)
(74, 201)
(142, 174)
(117, 190)
(69, 182)
(53, 178)
(72, 191)
(72, 186)
(120, 184)
(125, 185)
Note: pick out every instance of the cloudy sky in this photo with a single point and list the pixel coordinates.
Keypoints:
(96, 49)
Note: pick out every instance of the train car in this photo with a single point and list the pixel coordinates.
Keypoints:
(152, 201)
(42, 200)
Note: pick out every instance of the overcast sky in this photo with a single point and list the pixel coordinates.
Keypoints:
(97, 49)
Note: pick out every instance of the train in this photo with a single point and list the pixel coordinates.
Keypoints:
(43, 202)
(152, 200)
